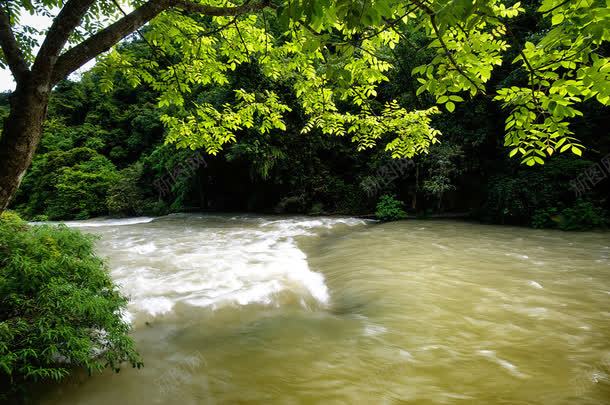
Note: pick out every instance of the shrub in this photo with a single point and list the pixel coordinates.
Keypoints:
(154, 208)
(316, 209)
(390, 209)
(67, 185)
(545, 218)
(125, 197)
(59, 309)
(81, 194)
(291, 205)
(524, 195)
(40, 218)
(581, 217)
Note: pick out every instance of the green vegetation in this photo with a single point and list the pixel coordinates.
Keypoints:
(69, 184)
(390, 209)
(103, 152)
(582, 216)
(335, 58)
(328, 62)
(297, 107)
(59, 309)
(523, 195)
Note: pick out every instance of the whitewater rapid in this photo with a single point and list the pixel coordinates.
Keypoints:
(241, 309)
(254, 260)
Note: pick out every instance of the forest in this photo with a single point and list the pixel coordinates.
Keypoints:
(105, 153)
(373, 198)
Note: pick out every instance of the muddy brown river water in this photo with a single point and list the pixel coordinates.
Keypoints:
(300, 310)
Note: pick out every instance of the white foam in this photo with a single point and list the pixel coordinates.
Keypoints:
(534, 284)
(203, 266)
(374, 330)
(510, 367)
(156, 305)
(517, 255)
(145, 248)
(406, 355)
(96, 223)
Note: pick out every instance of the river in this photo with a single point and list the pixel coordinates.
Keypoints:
(304, 310)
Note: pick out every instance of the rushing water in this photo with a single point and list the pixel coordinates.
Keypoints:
(339, 310)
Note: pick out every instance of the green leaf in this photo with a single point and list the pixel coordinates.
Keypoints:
(557, 19)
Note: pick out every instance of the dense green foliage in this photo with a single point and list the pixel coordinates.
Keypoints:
(266, 162)
(527, 193)
(390, 209)
(59, 309)
(294, 173)
(582, 216)
(82, 168)
(69, 184)
(296, 107)
(336, 56)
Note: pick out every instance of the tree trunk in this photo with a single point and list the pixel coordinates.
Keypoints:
(21, 135)
(23, 127)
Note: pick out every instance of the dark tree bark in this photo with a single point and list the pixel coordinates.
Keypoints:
(22, 128)
(20, 137)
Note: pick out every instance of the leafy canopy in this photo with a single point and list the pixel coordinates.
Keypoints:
(335, 55)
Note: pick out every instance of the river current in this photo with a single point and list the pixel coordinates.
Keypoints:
(236, 309)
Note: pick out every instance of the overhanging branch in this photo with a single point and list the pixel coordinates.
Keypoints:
(193, 7)
(63, 25)
(10, 48)
(103, 40)
(432, 15)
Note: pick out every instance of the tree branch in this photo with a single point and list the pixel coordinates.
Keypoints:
(439, 36)
(10, 48)
(193, 7)
(63, 25)
(563, 3)
(450, 56)
(103, 40)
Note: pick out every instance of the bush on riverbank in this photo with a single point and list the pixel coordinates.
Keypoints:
(583, 216)
(390, 209)
(67, 185)
(59, 309)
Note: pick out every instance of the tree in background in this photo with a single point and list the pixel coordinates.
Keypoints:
(333, 54)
